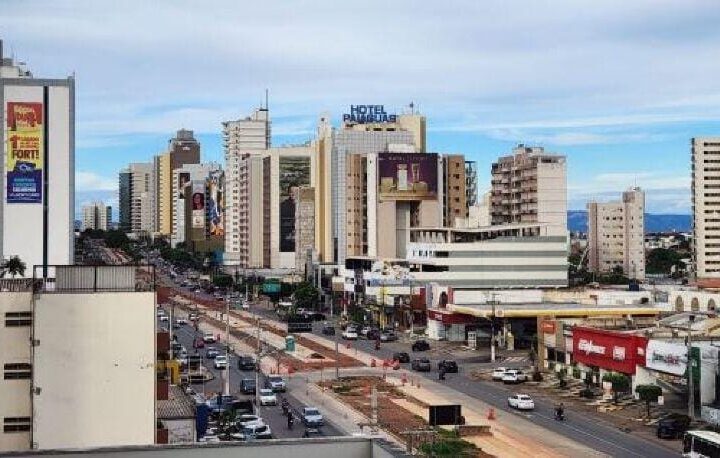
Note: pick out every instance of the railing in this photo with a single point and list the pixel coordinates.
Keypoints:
(92, 279)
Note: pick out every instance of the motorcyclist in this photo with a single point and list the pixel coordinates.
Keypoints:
(560, 411)
(377, 344)
(442, 374)
(285, 406)
(290, 421)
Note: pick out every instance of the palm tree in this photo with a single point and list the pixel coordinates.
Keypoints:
(14, 266)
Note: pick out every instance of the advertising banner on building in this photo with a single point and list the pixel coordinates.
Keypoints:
(183, 179)
(294, 172)
(216, 203)
(407, 176)
(25, 154)
(668, 357)
(198, 205)
(615, 351)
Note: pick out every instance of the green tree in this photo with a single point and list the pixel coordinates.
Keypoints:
(661, 261)
(14, 266)
(648, 394)
(306, 296)
(222, 281)
(620, 383)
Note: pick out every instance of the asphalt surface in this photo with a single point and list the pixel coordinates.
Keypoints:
(272, 415)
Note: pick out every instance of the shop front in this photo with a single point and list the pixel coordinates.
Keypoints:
(450, 326)
(601, 351)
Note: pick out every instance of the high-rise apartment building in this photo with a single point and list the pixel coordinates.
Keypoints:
(182, 149)
(125, 200)
(471, 184)
(616, 232)
(137, 185)
(529, 186)
(706, 207)
(455, 204)
(96, 215)
(37, 209)
(241, 138)
(304, 225)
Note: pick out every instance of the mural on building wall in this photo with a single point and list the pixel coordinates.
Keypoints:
(294, 172)
(407, 176)
(216, 203)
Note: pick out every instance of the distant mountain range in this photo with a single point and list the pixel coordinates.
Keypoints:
(577, 222)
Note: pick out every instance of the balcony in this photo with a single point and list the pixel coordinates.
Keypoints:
(93, 279)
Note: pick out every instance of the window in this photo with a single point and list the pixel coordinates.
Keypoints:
(16, 424)
(18, 371)
(18, 319)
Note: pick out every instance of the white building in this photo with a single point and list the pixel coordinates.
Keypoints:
(72, 377)
(616, 232)
(706, 207)
(510, 256)
(37, 209)
(96, 215)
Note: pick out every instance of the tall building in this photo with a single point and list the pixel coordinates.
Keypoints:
(203, 205)
(141, 195)
(182, 149)
(455, 205)
(67, 360)
(125, 200)
(37, 211)
(182, 176)
(706, 207)
(304, 226)
(529, 186)
(96, 215)
(616, 235)
(240, 138)
(471, 184)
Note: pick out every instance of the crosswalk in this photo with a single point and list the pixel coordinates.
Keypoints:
(516, 359)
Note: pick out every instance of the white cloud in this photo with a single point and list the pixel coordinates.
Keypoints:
(90, 181)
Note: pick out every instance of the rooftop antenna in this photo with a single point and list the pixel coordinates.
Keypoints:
(412, 108)
(266, 99)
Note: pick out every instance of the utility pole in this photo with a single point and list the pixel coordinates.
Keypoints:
(691, 387)
(257, 368)
(172, 309)
(492, 328)
(337, 359)
(226, 389)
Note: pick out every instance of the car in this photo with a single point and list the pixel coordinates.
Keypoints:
(245, 305)
(212, 352)
(373, 334)
(349, 334)
(521, 402)
(198, 343)
(268, 397)
(209, 337)
(198, 291)
(193, 317)
(420, 365)
(248, 419)
(388, 336)
(673, 426)
(176, 347)
(219, 404)
(514, 376)
(247, 386)
(164, 318)
(364, 331)
(275, 383)
(246, 363)
(257, 431)
(498, 372)
(401, 357)
(328, 330)
(176, 325)
(221, 362)
(450, 366)
(311, 417)
(160, 312)
(181, 321)
(420, 345)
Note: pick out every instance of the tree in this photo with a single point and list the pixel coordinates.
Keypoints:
(222, 281)
(306, 296)
(14, 266)
(620, 383)
(661, 261)
(648, 393)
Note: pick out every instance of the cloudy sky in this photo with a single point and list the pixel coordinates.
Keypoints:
(620, 87)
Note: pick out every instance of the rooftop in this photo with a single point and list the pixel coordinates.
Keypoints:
(177, 406)
(552, 309)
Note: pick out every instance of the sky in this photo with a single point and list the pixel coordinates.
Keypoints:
(619, 87)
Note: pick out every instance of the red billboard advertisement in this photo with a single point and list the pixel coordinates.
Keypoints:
(407, 176)
(609, 350)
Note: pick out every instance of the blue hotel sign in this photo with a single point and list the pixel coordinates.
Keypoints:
(362, 114)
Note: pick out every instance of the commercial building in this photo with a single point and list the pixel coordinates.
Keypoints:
(304, 226)
(706, 208)
(71, 376)
(182, 149)
(616, 235)
(529, 186)
(96, 215)
(182, 176)
(37, 211)
(203, 204)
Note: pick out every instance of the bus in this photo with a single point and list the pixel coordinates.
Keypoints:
(701, 444)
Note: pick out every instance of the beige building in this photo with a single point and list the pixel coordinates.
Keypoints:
(304, 226)
(529, 186)
(96, 215)
(455, 206)
(616, 233)
(142, 197)
(67, 360)
(706, 207)
(182, 149)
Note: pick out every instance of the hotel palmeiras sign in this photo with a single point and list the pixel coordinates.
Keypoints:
(364, 114)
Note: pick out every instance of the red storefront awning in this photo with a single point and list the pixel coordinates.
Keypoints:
(609, 350)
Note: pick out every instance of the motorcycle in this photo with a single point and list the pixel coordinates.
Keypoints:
(290, 422)
(559, 416)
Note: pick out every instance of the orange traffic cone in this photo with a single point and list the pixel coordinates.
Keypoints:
(491, 414)
(372, 362)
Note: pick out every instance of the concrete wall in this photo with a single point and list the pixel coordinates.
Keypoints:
(693, 301)
(95, 370)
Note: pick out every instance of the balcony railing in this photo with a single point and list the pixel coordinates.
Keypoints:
(93, 279)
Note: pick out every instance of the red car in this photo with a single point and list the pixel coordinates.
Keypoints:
(198, 343)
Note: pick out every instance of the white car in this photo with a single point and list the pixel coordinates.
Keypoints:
(164, 318)
(514, 376)
(220, 362)
(350, 334)
(246, 420)
(181, 321)
(498, 372)
(246, 305)
(267, 397)
(521, 402)
(209, 337)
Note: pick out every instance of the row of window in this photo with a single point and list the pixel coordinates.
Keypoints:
(16, 424)
(17, 371)
(15, 319)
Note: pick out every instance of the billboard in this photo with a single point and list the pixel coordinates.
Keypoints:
(445, 415)
(216, 203)
(666, 357)
(407, 176)
(25, 152)
(183, 179)
(294, 172)
(198, 205)
(614, 351)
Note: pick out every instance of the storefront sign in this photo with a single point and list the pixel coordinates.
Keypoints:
(619, 353)
(666, 357)
(25, 153)
(547, 327)
(362, 114)
(608, 350)
(588, 347)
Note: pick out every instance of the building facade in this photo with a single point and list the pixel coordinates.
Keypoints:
(616, 232)
(706, 207)
(38, 180)
(529, 186)
(181, 176)
(142, 197)
(125, 200)
(455, 204)
(96, 216)
(304, 226)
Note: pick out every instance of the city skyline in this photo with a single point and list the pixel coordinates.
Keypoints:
(621, 94)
